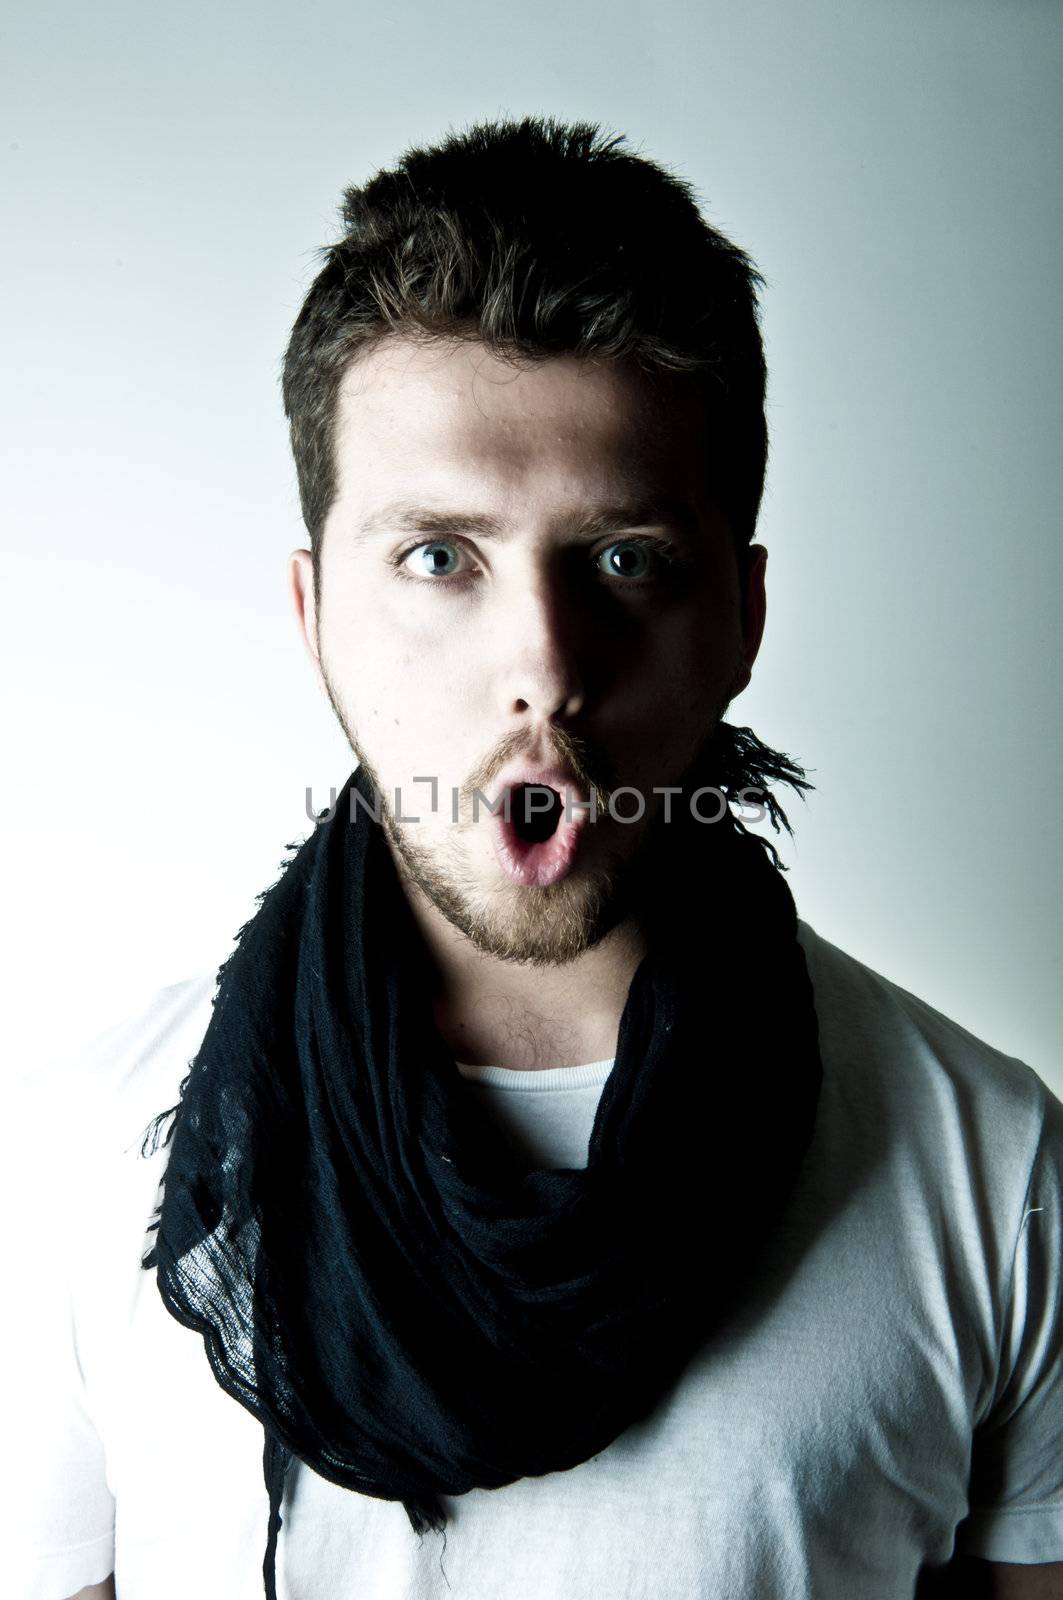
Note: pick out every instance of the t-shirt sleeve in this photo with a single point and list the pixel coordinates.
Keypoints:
(64, 1167)
(59, 1511)
(1016, 1494)
(62, 1515)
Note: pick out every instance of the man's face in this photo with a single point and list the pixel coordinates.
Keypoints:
(522, 570)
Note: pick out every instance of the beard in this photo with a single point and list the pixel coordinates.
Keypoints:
(552, 925)
(531, 925)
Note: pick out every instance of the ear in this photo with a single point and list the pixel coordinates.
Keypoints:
(752, 565)
(304, 598)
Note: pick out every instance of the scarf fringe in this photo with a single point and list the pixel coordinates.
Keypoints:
(275, 1463)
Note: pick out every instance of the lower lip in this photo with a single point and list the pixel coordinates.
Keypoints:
(539, 865)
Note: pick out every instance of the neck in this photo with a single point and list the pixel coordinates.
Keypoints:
(493, 1012)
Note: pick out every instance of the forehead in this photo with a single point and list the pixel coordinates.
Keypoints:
(427, 414)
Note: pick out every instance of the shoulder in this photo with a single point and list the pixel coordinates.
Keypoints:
(961, 1125)
(869, 1023)
(73, 1150)
(105, 1089)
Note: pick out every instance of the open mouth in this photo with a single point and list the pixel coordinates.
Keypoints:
(536, 844)
(535, 810)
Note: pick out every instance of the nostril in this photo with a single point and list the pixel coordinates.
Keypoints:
(535, 810)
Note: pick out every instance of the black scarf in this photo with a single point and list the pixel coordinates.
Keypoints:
(403, 1305)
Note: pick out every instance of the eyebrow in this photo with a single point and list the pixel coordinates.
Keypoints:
(411, 517)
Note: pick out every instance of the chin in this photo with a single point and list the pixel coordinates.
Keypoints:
(540, 926)
(536, 933)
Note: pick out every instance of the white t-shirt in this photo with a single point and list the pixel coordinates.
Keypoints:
(892, 1385)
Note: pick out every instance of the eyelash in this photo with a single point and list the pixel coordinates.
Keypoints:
(672, 560)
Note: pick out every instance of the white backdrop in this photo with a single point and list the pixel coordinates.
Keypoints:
(893, 167)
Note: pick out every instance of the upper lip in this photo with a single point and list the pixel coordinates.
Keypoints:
(553, 777)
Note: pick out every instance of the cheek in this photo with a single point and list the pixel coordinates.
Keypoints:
(689, 664)
(407, 685)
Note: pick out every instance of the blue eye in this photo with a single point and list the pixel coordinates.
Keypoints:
(634, 559)
(431, 561)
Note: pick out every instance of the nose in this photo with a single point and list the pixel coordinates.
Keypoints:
(540, 677)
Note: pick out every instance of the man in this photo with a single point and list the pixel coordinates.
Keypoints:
(545, 1210)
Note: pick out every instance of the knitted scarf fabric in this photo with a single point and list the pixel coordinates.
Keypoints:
(402, 1303)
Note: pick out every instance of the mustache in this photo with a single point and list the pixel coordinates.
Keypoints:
(588, 765)
(733, 759)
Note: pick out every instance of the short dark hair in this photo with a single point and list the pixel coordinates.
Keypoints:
(538, 238)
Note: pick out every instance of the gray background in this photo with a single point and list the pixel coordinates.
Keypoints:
(893, 167)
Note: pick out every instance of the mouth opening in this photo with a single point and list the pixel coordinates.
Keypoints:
(534, 819)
